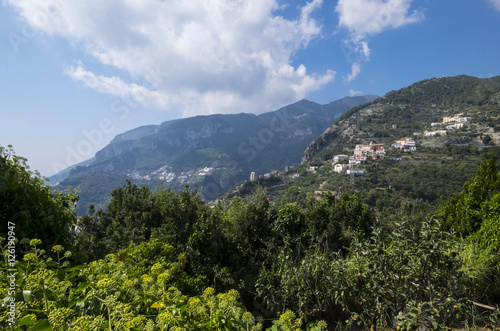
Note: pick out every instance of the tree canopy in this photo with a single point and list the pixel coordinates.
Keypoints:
(31, 205)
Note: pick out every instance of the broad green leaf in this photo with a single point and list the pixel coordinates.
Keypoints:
(42, 325)
(27, 320)
(81, 288)
(27, 296)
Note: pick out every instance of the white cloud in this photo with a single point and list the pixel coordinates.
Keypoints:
(355, 70)
(354, 92)
(365, 50)
(496, 3)
(365, 18)
(117, 87)
(200, 56)
(369, 17)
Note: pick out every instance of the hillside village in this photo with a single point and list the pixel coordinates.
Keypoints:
(384, 167)
(376, 151)
(373, 148)
(353, 164)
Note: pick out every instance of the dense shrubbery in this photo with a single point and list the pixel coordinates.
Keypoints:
(475, 215)
(166, 260)
(114, 294)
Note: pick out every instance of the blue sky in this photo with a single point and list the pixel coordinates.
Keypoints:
(74, 74)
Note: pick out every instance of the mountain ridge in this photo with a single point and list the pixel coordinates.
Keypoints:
(210, 152)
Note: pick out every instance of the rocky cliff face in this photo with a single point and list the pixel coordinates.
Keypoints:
(256, 143)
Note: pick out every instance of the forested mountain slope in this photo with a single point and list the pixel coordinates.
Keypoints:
(450, 124)
(411, 110)
(211, 153)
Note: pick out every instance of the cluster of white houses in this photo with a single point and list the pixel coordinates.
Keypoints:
(377, 151)
(455, 122)
(406, 144)
(372, 151)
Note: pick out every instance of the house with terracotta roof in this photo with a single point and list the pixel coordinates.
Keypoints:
(340, 157)
(374, 151)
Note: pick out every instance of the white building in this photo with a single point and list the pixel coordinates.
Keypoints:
(374, 151)
(455, 126)
(435, 133)
(357, 159)
(340, 167)
(406, 144)
(455, 119)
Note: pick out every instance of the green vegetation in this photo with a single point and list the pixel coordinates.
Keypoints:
(26, 201)
(231, 146)
(412, 244)
(413, 109)
(429, 176)
(166, 260)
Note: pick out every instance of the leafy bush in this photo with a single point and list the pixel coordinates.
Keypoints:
(110, 294)
(463, 212)
(379, 281)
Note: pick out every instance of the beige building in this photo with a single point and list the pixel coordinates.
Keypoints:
(455, 119)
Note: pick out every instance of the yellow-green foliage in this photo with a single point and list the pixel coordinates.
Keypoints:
(109, 294)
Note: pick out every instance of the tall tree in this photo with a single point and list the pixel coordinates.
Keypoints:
(31, 206)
